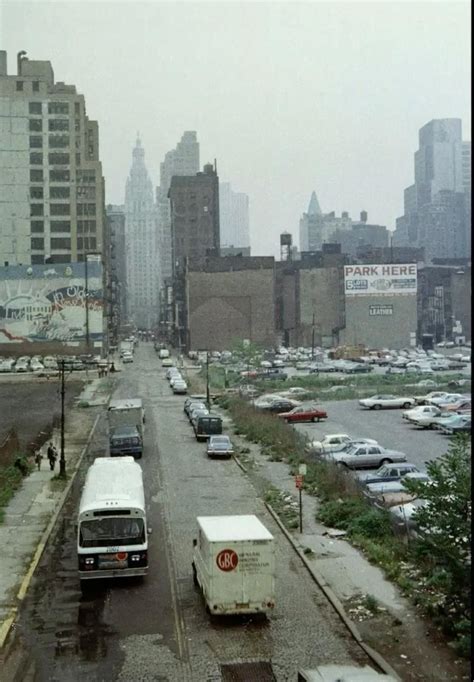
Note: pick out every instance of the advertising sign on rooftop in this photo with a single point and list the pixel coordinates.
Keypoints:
(380, 280)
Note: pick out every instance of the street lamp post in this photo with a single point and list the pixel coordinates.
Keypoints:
(208, 397)
(62, 459)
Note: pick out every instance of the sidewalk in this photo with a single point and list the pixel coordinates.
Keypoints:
(406, 640)
(31, 513)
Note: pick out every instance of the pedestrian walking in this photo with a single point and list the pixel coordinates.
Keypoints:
(52, 454)
(38, 458)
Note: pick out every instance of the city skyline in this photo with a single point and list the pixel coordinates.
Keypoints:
(282, 119)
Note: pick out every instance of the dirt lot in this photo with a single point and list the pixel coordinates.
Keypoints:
(31, 406)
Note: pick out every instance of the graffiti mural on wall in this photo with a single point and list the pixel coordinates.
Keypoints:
(48, 303)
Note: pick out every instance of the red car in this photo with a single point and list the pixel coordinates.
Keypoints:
(304, 413)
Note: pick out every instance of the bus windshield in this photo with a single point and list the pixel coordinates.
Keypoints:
(112, 531)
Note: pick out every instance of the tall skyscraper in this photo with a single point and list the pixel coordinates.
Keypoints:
(184, 160)
(234, 217)
(194, 204)
(51, 184)
(437, 205)
(141, 243)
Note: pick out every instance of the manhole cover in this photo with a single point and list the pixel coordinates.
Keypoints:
(254, 671)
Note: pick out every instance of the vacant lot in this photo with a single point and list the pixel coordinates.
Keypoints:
(31, 407)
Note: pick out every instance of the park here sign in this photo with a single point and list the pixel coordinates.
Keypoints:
(380, 280)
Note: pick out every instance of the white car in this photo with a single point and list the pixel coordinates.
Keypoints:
(447, 399)
(420, 411)
(425, 399)
(179, 386)
(21, 365)
(385, 400)
(337, 441)
(127, 356)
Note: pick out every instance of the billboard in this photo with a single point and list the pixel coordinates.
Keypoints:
(380, 280)
(41, 303)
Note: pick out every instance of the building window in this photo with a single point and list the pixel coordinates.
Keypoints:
(60, 226)
(36, 175)
(36, 192)
(59, 192)
(37, 243)
(60, 258)
(60, 243)
(86, 209)
(35, 108)
(36, 125)
(56, 141)
(58, 108)
(58, 124)
(37, 260)
(60, 209)
(36, 209)
(19, 86)
(59, 176)
(57, 158)
(78, 159)
(36, 86)
(36, 158)
(36, 141)
(37, 226)
(86, 177)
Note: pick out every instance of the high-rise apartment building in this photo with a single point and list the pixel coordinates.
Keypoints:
(51, 184)
(194, 204)
(141, 244)
(234, 218)
(183, 160)
(437, 205)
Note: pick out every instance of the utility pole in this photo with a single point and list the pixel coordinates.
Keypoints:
(62, 460)
(208, 397)
(312, 341)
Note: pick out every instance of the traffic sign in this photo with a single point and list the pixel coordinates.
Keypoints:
(302, 469)
(299, 481)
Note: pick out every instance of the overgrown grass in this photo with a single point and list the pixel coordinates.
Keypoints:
(10, 480)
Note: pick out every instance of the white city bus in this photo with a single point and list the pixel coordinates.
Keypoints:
(112, 531)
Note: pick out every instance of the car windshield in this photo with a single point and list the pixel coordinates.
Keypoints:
(112, 531)
(220, 442)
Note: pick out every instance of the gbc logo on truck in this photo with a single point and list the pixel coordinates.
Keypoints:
(227, 560)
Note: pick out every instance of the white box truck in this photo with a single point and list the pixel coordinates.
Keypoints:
(234, 564)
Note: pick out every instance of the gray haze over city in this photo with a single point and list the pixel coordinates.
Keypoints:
(288, 97)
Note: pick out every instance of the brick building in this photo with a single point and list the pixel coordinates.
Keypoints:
(229, 299)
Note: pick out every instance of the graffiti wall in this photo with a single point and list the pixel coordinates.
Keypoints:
(52, 304)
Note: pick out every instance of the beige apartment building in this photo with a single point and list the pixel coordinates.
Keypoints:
(51, 183)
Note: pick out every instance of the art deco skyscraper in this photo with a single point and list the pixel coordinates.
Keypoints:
(141, 244)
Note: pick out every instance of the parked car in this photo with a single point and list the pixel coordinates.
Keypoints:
(180, 387)
(196, 413)
(127, 356)
(396, 485)
(425, 399)
(460, 406)
(277, 406)
(167, 362)
(337, 441)
(194, 398)
(395, 369)
(272, 374)
(449, 399)
(317, 367)
(194, 405)
(403, 516)
(21, 365)
(412, 414)
(387, 472)
(304, 413)
(459, 423)
(366, 457)
(378, 402)
(220, 446)
(359, 368)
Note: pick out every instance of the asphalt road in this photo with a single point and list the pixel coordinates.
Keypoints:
(386, 426)
(157, 629)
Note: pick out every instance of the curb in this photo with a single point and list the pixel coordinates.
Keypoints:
(8, 624)
(334, 601)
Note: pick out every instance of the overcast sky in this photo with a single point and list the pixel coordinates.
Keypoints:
(288, 97)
